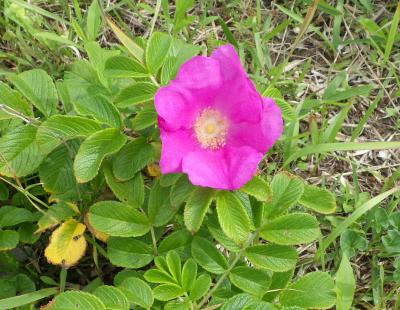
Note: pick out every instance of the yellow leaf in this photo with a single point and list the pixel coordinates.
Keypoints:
(153, 170)
(67, 244)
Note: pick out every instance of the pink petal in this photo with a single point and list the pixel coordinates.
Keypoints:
(260, 136)
(174, 106)
(228, 168)
(175, 146)
(200, 73)
(229, 62)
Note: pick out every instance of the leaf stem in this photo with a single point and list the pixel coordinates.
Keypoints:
(231, 266)
(153, 238)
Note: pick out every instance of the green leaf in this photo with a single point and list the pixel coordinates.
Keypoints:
(19, 152)
(345, 285)
(129, 252)
(258, 188)
(4, 192)
(144, 118)
(174, 265)
(74, 300)
(180, 19)
(178, 240)
(394, 30)
(12, 99)
(196, 207)
(200, 286)
(288, 112)
(287, 190)
(38, 87)
(8, 239)
(232, 216)
(296, 228)
(363, 90)
(112, 297)
(61, 128)
(118, 219)
(189, 274)
(133, 157)
(138, 292)
(217, 233)
(279, 281)
(10, 216)
(251, 280)
(314, 290)
(239, 302)
(158, 276)
(156, 51)
(165, 292)
(160, 210)
(93, 22)
(137, 93)
(124, 67)
(318, 199)
(181, 190)
(93, 150)
(207, 256)
(130, 192)
(56, 171)
(25, 299)
(274, 257)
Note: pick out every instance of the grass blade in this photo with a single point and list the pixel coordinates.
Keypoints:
(352, 218)
(392, 34)
(342, 146)
(17, 301)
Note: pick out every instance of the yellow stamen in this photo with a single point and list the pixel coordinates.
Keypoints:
(211, 129)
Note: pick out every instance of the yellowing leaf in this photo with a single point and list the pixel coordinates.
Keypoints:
(67, 244)
(153, 170)
(98, 234)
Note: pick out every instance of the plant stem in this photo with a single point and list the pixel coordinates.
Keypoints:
(231, 266)
(153, 238)
(63, 279)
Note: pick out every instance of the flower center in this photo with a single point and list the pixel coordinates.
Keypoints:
(211, 129)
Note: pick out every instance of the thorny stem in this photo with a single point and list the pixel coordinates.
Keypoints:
(232, 265)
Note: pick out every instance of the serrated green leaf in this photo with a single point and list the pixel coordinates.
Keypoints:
(258, 188)
(56, 171)
(137, 93)
(196, 207)
(13, 100)
(156, 51)
(181, 190)
(61, 128)
(93, 21)
(345, 285)
(314, 290)
(160, 209)
(200, 286)
(93, 150)
(274, 257)
(144, 118)
(138, 292)
(318, 199)
(124, 67)
(295, 228)
(118, 219)
(112, 297)
(278, 282)
(232, 216)
(158, 276)
(288, 112)
(38, 87)
(129, 252)
(130, 192)
(286, 191)
(133, 157)
(207, 256)
(10, 216)
(19, 152)
(8, 239)
(74, 300)
(250, 280)
(165, 292)
(189, 274)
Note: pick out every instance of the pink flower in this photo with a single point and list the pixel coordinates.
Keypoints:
(214, 125)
